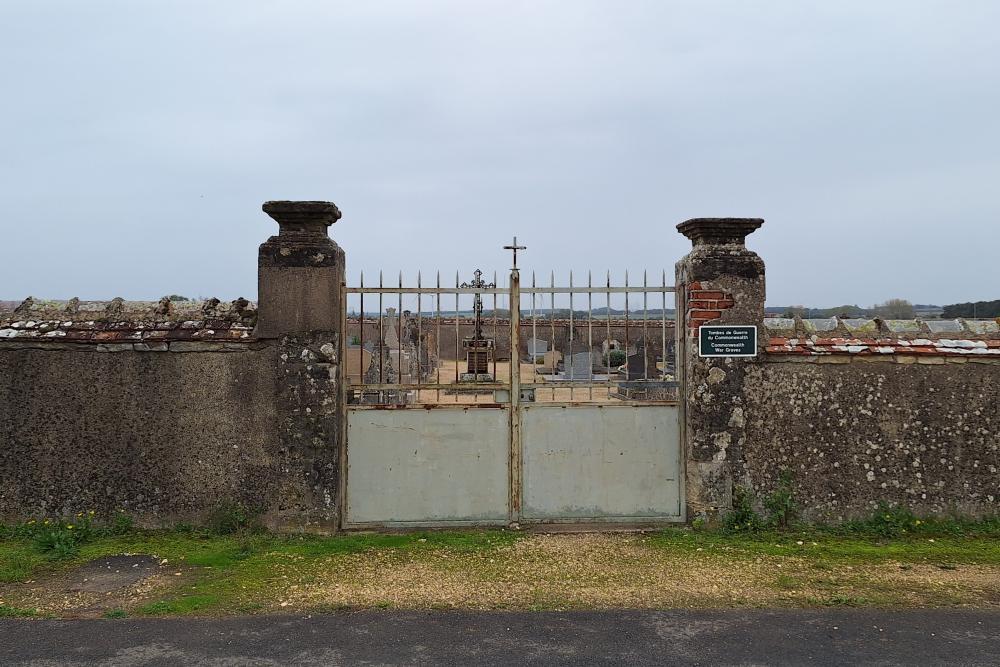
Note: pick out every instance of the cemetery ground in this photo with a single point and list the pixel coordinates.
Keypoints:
(885, 562)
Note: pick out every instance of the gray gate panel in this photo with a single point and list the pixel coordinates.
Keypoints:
(426, 467)
(601, 463)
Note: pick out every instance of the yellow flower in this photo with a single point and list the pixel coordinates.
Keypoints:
(70, 526)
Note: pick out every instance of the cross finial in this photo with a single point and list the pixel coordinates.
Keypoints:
(515, 248)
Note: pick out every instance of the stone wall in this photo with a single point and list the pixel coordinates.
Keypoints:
(857, 412)
(170, 410)
(926, 436)
(164, 436)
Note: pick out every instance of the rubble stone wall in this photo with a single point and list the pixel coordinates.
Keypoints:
(856, 433)
(164, 436)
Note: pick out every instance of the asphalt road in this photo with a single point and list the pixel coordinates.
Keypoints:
(730, 637)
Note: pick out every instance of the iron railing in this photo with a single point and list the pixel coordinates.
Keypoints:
(408, 345)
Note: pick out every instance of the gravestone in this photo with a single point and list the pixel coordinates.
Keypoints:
(579, 366)
(641, 364)
(537, 348)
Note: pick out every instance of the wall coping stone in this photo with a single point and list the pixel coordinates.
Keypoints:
(719, 231)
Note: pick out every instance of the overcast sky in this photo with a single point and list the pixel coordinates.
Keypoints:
(140, 138)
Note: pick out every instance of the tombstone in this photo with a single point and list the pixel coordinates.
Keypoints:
(579, 366)
(389, 324)
(641, 364)
(550, 361)
(537, 348)
(358, 360)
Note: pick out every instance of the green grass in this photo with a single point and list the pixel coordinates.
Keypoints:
(826, 548)
(16, 612)
(18, 560)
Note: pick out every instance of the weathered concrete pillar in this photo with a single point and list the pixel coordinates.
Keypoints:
(719, 282)
(300, 273)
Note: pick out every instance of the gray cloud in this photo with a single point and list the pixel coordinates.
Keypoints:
(140, 139)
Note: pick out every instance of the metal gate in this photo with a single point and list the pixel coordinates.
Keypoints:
(486, 405)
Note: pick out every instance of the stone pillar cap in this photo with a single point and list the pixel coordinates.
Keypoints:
(719, 231)
(295, 213)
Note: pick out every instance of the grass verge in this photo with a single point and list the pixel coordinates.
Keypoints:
(201, 573)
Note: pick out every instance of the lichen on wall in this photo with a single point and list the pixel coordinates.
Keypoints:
(854, 435)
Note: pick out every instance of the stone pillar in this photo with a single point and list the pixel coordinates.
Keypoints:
(719, 282)
(299, 271)
(300, 275)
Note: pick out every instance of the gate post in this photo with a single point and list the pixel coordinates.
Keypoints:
(301, 308)
(719, 282)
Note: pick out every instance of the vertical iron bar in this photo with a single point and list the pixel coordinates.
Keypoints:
(663, 325)
(572, 337)
(645, 316)
(495, 350)
(381, 336)
(399, 337)
(590, 334)
(534, 335)
(626, 326)
(609, 333)
(516, 456)
(456, 334)
(552, 320)
(420, 338)
(437, 342)
(361, 336)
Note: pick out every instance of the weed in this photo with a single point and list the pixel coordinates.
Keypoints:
(743, 518)
(116, 613)
(846, 601)
(184, 604)
(780, 503)
(229, 519)
(122, 524)
(886, 521)
(16, 612)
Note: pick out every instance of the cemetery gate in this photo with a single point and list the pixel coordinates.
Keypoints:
(481, 404)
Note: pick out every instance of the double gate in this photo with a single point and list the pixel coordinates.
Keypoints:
(486, 405)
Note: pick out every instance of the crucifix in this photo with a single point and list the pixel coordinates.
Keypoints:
(478, 347)
(515, 248)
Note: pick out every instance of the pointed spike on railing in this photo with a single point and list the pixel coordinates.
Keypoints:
(418, 279)
(362, 279)
(400, 278)
(532, 278)
(590, 282)
(571, 278)
(380, 278)
(439, 280)
(644, 283)
(626, 277)
(609, 277)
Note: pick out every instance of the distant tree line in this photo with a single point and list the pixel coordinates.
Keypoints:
(896, 309)
(976, 309)
(893, 309)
